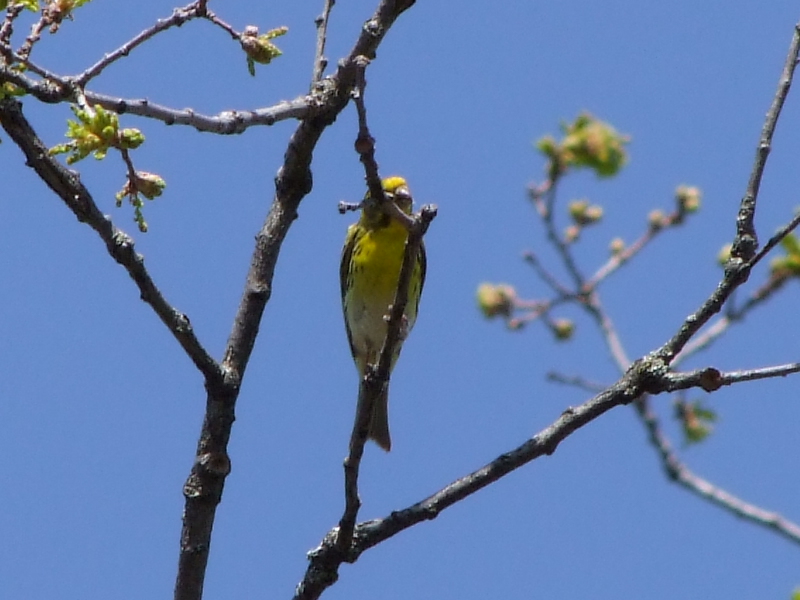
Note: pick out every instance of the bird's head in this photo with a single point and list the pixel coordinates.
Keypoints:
(396, 190)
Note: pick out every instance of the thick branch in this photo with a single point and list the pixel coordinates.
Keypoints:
(326, 559)
(643, 378)
(203, 489)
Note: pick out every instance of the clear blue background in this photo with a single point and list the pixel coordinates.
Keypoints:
(100, 410)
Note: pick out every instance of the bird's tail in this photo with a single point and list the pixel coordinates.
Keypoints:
(379, 423)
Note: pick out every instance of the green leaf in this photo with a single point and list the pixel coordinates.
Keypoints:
(95, 132)
(144, 184)
(259, 48)
(31, 5)
(695, 419)
(791, 244)
(593, 144)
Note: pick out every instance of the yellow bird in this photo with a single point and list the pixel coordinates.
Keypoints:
(369, 273)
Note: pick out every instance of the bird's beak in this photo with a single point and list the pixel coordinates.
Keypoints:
(402, 195)
(402, 192)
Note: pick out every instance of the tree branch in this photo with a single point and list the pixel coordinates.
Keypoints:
(371, 386)
(57, 89)
(377, 375)
(678, 472)
(745, 243)
(643, 378)
(7, 28)
(203, 489)
(178, 17)
(119, 244)
(663, 359)
(710, 379)
(54, 88)
(320, 62)
(544, 198)
(619, 259)
(732, 315)
(228, 122)
(325, 560)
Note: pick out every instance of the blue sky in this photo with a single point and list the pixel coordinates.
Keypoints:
(100, 410)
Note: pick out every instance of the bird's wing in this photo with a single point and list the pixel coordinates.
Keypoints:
(353, 234)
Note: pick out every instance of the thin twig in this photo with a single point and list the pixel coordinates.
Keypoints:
(219, 22)
(775, 240)
(736, 274)
(57, 88)
(545, 275)
(365, 143)
(609, 331)
(657, 364)
(371, 533)
(715, 330)
(126, 157)
(711, 379)
(534, 309)
(35, 34)
(678, 472)
(394, 325)
(743, 252)
(178, 17)
(320, 62)
(377, 376)
(555, 239)
(576, 381)
(746, 241)
(52, 80)
(708, 379)
(619, 259)
(370, 387)
(744, 257)
(7, 28)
